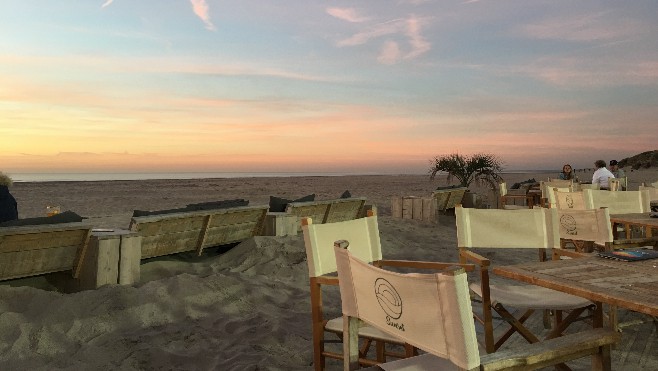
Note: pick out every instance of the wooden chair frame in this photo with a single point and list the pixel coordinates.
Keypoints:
(492, 344)
(319, 322)
(459, 354)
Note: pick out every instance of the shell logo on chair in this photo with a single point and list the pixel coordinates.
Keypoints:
(390, 302)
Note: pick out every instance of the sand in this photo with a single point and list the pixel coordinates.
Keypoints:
(245, 309)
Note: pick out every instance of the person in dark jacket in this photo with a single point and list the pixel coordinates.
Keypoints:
(8, 205)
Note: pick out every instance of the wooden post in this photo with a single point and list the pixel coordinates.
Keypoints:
(429, 209)
(407, 208)
(280, 224)
(396, 206)
(417, 212)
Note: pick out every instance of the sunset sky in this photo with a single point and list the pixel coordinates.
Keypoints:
(336, 86)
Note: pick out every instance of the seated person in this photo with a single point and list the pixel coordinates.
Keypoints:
(617, 172)
(601, 175)
(8, 205)
(567, 172)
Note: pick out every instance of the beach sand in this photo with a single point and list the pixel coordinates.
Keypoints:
(245, 309)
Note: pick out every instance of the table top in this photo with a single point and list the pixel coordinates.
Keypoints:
(635, 218)
(630, 285)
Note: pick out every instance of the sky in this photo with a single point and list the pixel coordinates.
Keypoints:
(366, 86)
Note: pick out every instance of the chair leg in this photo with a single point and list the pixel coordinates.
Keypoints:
(318, 350)
(380, 347)
(563, 324)
(516, 326)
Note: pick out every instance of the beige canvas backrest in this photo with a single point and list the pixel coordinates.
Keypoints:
(653, 192)
(502, 188)
(523, 228)
(429, 311)
(555, 183)
(363, 234)
(569, 200)
(618, 202)
(551, 193)
(590, 186)
(585, 225)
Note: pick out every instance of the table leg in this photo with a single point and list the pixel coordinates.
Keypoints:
(601, 360)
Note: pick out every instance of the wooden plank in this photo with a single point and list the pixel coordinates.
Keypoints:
(229, 233)
(174, 225)
(396, 206)
(33, 262)
(42, 240)
(169, 243)
(202, 235)
(80, 255)
(130, 254)
(417, 211)
(345, 210)
(407, 208)
(429, 209)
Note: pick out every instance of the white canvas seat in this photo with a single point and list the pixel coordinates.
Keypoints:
(530, 228)
(364, 234)
(433, 312)
(531, 297)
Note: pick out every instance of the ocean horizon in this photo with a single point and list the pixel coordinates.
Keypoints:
(91, 177)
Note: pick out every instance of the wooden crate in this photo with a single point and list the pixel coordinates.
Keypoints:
(412, 207)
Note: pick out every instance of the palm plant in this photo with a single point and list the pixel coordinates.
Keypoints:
(483, 168)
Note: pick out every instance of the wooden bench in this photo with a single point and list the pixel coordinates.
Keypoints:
(38, 249)
(448, 198)
(324, 211)
(173, 233)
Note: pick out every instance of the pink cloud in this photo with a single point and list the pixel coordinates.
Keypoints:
(346, 14)
(390, 53)
(579, 27)
(200, 8)
(411, 28)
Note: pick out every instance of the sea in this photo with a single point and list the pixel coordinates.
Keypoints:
(90, 177)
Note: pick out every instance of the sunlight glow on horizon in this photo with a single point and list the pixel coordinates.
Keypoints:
(254, 86)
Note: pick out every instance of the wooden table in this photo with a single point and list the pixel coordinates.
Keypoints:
(630, 285)
(639, 219)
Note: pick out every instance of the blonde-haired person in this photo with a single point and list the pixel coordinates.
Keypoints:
(601, 175)
(8, 205)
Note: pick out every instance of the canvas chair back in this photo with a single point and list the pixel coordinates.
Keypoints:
(551, 194)
(523, 228)
(569, 200)
(618, 202)
(653, 192)
(363, 234)
(586, 225)
(430, 311)
(590, 186)
(546, 187)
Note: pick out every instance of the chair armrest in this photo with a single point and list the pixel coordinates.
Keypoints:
(475, 257)
(550, 352)
(327, 280)
(424, 264)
